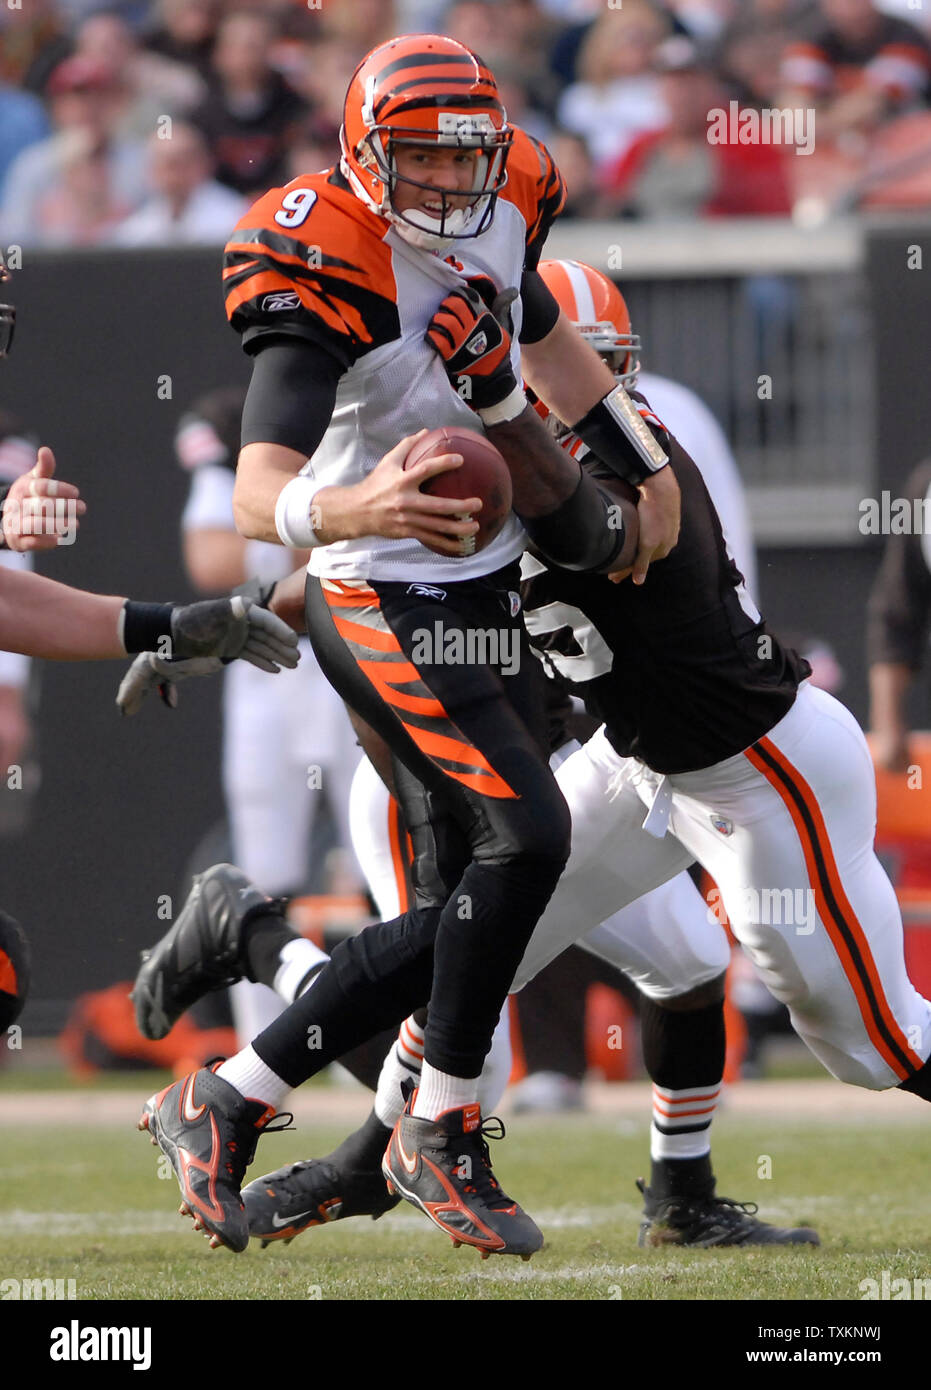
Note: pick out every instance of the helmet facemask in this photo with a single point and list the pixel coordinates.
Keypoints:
(619, 351)
(376, 155)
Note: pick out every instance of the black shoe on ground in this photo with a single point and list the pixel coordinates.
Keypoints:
(706, 1220)
(202, 951)
(312, 1192)
(208, 1132)
(443, 1167)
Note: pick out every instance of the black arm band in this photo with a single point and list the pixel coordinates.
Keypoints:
(291, 395)
(615, 430)
(145, 624)
(583, 533)
(540, 308)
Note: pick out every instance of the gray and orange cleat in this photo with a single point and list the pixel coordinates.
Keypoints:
(705, 1220)
(443, 1167)
(202, 951)
(313, 1192)
(208, 1132)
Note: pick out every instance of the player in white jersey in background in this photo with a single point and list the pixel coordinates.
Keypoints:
(286, 743)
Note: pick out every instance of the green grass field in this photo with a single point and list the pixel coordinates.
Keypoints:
(84, 1202)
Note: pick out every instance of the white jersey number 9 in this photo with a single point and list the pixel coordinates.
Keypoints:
(295, 206)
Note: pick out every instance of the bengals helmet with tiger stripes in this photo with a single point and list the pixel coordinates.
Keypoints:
(599, 311)
(424, 89)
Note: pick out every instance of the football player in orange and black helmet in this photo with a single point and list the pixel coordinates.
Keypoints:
(411, 93)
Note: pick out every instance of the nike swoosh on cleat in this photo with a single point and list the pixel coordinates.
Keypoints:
(409, 1164)
(278, 1221)
(189, 1113)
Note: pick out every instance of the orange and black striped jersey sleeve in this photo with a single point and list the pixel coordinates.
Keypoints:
(309, 261)
(536, 188)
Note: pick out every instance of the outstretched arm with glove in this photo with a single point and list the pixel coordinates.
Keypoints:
(207, 636)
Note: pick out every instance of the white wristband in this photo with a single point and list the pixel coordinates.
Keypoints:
(513, 405)
(292, 513)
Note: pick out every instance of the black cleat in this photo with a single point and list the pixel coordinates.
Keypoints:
(443, 1167)
(201, 952)
(208, 1131)
(707, 1220)
(312, 1192)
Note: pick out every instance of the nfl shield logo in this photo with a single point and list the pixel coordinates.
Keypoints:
(722, 825)
(478, 344)
(515, 602)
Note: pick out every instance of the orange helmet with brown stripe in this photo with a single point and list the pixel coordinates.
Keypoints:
(599, 311)
(424, 89)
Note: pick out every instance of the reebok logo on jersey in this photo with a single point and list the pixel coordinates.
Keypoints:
(280, 301)
(426, 591)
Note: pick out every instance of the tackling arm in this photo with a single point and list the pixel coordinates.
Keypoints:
(40, 617)
(569, 377)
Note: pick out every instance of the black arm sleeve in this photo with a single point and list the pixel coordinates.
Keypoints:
(540, 308)
(583, 532)
(899, 608)
(291, 395)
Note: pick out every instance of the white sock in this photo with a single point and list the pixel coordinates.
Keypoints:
(688, 1112)
(296, 958)
(389, 1098)
(403, 1063)
(253, 1079)
(439, 1091)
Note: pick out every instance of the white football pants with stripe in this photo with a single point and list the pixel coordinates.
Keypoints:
(786, 830)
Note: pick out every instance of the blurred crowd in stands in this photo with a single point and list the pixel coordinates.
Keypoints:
(155, 121)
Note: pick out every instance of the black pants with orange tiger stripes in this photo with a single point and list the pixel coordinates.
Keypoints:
(489, 826)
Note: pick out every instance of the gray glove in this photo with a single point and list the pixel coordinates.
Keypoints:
(204, 638)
